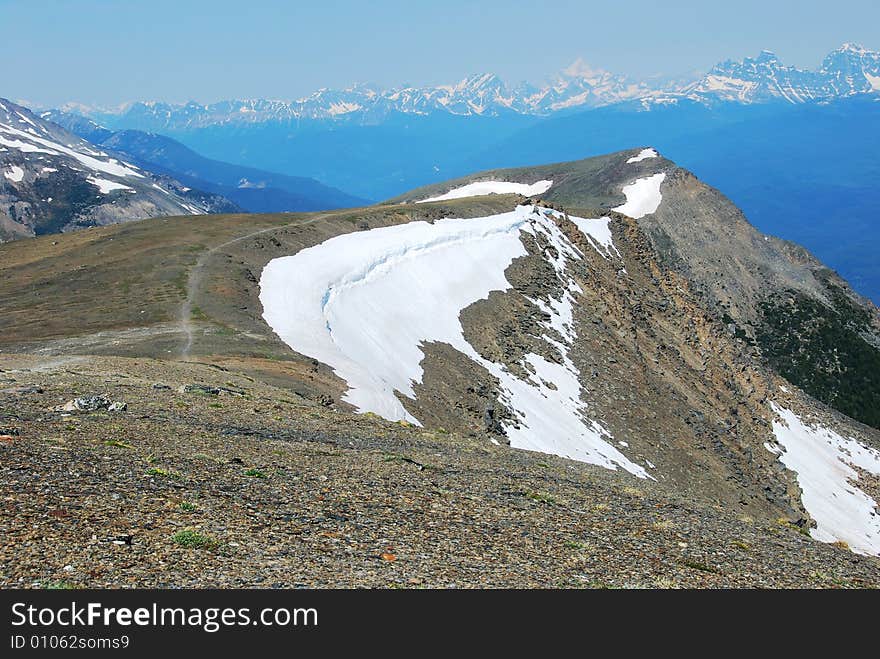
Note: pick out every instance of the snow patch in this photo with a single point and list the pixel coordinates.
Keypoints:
(599, 234)
(106, 186)
(644, 154)
(342, 107)
(365, 303)
(823, 462)
(110, 166)
(480, 188)
(15, 174)
(24, 147)
(642, 196)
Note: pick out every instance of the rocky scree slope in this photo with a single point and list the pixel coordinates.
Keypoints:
(53, 181)
(719, 280)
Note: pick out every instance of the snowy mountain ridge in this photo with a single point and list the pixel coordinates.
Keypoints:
(847, 71)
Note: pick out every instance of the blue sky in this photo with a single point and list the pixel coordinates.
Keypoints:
(105, 52)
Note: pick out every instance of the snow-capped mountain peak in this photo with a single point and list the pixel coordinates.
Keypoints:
(852, 69)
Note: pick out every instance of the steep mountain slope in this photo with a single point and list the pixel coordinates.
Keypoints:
(592, 328)
(53, 181)
(252, 189)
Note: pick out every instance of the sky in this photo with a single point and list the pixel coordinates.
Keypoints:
(105, 52)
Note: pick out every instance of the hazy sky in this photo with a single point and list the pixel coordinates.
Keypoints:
(105, 52)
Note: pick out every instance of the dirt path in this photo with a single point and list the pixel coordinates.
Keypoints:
(196, 275)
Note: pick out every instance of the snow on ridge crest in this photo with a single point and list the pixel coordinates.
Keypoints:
(479, 188)
(366, 303)
(644, 154)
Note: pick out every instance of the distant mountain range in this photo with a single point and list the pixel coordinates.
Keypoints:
(847, 71)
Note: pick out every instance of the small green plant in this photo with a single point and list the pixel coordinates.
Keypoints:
(191, 539)
(696, 565)
(217, 405)
(541, 497)
(255, 473)
(164, 473)
(187, 507)
(57, 585)
(574, 544)
(117, 443)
